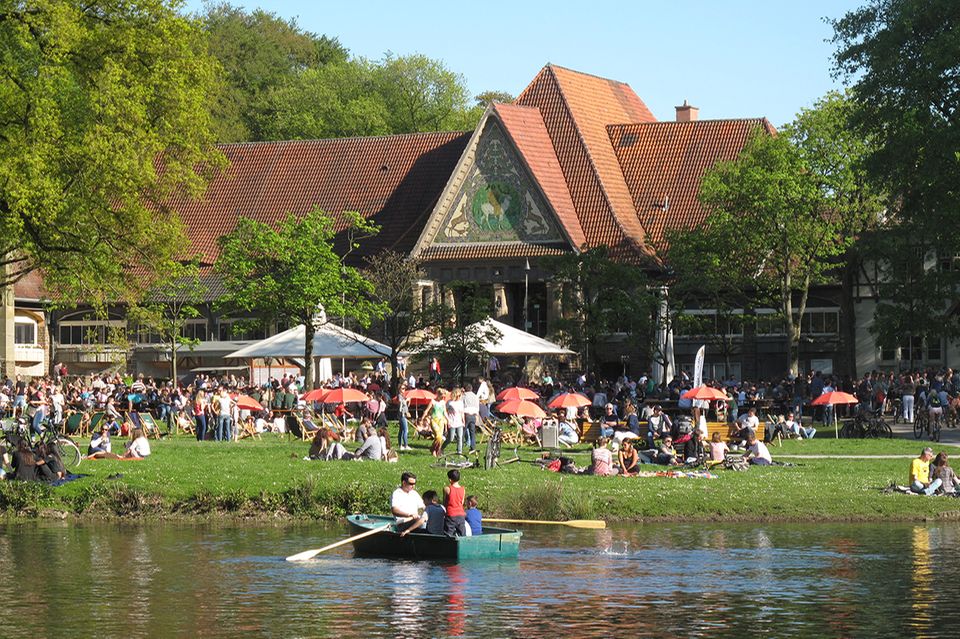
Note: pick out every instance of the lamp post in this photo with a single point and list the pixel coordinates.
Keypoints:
(526, 294)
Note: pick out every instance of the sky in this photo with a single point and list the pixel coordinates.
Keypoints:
(730, 58)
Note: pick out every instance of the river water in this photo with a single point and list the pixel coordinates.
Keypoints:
(686, 580)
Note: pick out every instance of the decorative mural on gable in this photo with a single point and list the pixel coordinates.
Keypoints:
(498, 200)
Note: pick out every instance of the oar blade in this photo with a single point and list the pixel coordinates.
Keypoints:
(586, 523)
(303, 556)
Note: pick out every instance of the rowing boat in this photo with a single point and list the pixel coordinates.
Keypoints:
(494, 543)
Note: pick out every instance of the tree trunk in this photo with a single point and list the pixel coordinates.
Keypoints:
(394, 373)
(793, 335)
(309, 331)
(173, 361)
(848, 318)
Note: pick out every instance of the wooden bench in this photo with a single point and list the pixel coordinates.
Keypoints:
(726, 430)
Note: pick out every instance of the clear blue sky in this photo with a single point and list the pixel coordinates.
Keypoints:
(731, 58)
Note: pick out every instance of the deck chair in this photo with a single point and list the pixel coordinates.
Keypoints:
(148, 424)
(185, 424)
(77, 423)
(95, 421)
(295, 426)
(246, 428)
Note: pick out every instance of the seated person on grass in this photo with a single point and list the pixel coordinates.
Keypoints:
(139, 446)
(920, 482)
(757, 452)
(667, 454)
(100, 446)
(628, 459)
(371, 449)
(718, 448)
(942, 472)
(601, 459)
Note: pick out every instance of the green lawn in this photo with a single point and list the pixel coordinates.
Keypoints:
(269, 478)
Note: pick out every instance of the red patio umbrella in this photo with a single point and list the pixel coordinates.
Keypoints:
(705, 392)
(835, 397)
(316, 395)
(517, 392)
(245, 402)
(566, 400)
(344, 396)
(419, 396)
(521, 408)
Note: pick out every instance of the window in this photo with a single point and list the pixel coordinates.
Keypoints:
(25, 333)
(769, 323)
(702, 323)
(820, 322)
(88, 332)
(234, 330)
(196, 329)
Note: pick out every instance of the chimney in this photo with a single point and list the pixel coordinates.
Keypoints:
(687, 113)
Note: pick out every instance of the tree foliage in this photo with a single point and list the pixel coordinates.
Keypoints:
(460, 335)
(104, 116)
(292, 274)
(170, 303)
(600, 296)
(902, 58)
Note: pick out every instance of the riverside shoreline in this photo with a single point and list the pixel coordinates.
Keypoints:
(269, 481)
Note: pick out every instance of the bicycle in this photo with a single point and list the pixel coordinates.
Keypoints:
(455, 460)
(68, 450)
(920, 423)
(935, 426)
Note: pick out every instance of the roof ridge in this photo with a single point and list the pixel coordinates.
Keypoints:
(589, 75)
(341, 139)
(759, 120)
(640, 245)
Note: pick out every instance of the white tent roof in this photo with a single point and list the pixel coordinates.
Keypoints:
(513, 341)
(329, 341)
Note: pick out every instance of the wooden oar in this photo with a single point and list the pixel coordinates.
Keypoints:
(573, 523)
(310, 554)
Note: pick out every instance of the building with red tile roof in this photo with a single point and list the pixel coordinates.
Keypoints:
(578, 161)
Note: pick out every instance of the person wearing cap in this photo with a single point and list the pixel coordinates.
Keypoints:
(920, 474)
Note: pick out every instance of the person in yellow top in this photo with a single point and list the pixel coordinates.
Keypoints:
(920, 474)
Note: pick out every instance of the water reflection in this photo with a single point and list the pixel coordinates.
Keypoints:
(687, 580)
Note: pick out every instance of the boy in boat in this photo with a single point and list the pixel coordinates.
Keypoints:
(453, 497)
(474, 516)
(434, 513)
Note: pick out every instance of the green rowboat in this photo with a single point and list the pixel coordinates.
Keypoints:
(494, 543)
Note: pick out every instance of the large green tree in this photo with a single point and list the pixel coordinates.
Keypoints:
(105, 114)
(259, 52)
(902, 58)
(769, 223)
(291, 273)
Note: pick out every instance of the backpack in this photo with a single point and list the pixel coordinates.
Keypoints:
(684, 425)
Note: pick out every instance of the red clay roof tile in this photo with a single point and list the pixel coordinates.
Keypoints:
(490, 251)
(392, 180)
(664, 164)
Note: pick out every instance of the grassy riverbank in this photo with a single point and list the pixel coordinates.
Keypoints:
(270, 479)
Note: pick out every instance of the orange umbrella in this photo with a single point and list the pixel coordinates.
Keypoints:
(245, 402)
(419, 396)
(517, 392)
(521, 408)
(316, 395)
(704, 392)
(566, 400)
(835, 397)
(344, 396)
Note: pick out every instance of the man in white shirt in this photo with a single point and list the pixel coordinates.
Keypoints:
(224, 431)
(471, 411)
(757, 452)
(406, 504)
(483, 395)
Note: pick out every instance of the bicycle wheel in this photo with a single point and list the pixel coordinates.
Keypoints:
(69, 452)
(918, 427)
(935, 430)
(885, 430)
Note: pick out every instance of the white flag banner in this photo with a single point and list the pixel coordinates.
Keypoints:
(698, 367)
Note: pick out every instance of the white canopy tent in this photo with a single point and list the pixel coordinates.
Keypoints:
(514, 341)
(329, 341)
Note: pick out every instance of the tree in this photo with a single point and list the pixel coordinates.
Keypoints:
(486, 98)
(336, 100)
(901, 58)
(600, 297)
(459, 334)
(291, 274)
(171, 302)
(421, 94)
(836, 154)
(769, 223)
(104, 117)
(258, 51)
(406, 322)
